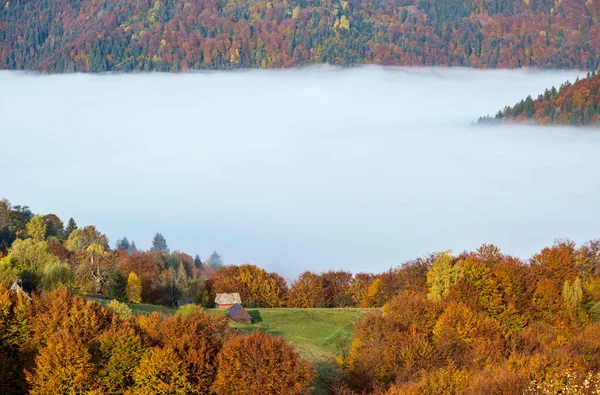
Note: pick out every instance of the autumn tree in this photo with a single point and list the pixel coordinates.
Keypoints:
(119, 352)
(134, 288)
(444, 272)
(160, 372)
(307, 291)
(64, 365)
(196, 338)
(13, 331)
(92, 248)
(36, 228)
(54, 227)
(28, 259)
(248, 362)
(57, 275)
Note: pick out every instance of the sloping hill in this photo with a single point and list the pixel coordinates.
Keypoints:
(319, 335)
(173, 35)
(571, 104)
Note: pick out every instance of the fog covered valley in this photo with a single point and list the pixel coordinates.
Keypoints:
(307, 169)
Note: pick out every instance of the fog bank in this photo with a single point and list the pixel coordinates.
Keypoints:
(295, 170)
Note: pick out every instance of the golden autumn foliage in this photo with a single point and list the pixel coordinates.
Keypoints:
(572, 104)
(258, 363)
(160, 372)
(307, 291)
(134, 288)
(256, 287)
(196, 337)
(60, 343)
(63, 366)
(500, 326)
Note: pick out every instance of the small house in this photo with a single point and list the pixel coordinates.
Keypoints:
(226, 300)
(17, 290)
(238, 314)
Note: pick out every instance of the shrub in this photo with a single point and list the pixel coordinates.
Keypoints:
(248, 362)
(119, 308)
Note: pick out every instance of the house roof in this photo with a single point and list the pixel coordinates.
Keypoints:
(237, 313)
(228, 298)
(18, 290)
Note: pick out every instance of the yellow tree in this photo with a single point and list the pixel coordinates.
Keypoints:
(92, 246)
(134, 288)
(442, 274)
(63, 367)
(36, 228)
(160, 372)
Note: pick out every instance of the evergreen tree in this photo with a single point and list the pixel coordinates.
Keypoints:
(529, 107)
(117, 286)
(215, 261)
(589, 113)
(197, 261)
(123, 244)
(159, 243)
(71, 226)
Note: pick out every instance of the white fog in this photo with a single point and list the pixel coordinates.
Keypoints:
(311, 169)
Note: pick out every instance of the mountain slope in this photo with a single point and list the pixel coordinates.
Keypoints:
(173, 35)
(571, 104)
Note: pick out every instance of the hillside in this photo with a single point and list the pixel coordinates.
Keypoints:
(571, 104)
(319, 335)
(169, 35)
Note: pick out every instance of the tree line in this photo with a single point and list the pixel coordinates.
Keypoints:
(483, 322)
(44, 255)
(169, 35)
(571, 104)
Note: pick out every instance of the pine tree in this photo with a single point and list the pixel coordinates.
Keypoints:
(198, 262)
(123, 244)
(215, 261)
(159, 243)
(71, 226)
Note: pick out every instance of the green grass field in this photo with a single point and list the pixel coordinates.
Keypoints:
(319, 335)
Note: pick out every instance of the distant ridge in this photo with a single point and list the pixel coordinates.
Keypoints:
(172, 35)
(571, 104)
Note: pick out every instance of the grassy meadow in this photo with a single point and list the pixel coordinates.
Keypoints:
(319, 335)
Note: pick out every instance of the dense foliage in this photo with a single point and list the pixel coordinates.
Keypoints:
(168, 35)
(571, 104)
(487, 323)
(59, 343)
(476, 322)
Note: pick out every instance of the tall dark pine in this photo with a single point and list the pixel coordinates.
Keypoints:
(71, 226)
(197, 261)
(159, 243)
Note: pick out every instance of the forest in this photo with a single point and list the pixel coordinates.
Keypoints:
(167, 35)
(471, 323)
(575, 103)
